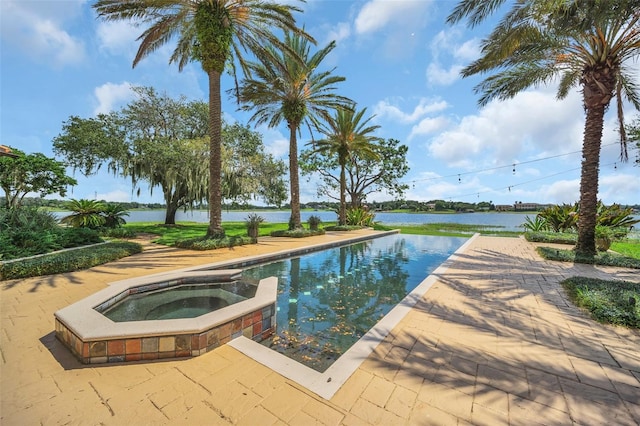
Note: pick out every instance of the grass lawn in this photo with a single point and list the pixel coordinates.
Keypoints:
(629, 248)
(168, 234)
(451, 229)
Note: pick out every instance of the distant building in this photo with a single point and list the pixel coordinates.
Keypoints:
(521, 207)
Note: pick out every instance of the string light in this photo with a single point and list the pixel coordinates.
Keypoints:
(500, 167)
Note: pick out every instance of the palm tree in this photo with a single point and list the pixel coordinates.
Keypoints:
(214, 33)
(591, 44)
(347, 135)
(284, 88)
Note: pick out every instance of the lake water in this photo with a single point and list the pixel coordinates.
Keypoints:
(509, 221)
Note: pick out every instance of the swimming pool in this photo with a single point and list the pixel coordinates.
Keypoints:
(328, 300)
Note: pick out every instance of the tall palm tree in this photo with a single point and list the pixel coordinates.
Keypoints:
(283, 88)
(215, 33)
(347, 134)
(591, 44)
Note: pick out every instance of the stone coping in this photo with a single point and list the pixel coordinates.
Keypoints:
(90, 325)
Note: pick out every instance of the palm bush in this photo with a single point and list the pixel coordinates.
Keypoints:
(86, 214)
(114, 214)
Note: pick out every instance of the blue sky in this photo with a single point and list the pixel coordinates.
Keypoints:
(400, 59)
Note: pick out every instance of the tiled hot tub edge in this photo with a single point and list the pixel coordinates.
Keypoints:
(257, 325)
(94, 339)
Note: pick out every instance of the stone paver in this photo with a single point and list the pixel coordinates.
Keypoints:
(494, 341)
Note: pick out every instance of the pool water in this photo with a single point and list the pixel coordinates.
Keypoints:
(327, 300)
(183, 301)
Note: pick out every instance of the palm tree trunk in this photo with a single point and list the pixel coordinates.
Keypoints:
(215, 160)
(342, 218)
(586, 244)
(294, 180)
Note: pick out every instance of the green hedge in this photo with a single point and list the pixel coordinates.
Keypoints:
(68, 261)
(605, 259)
(297, 233)
(204, 243)
(551, 237)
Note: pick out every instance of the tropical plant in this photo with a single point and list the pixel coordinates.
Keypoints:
(253, 222)
(592, 44)
(614, 216)
(214, 33)
(86, 214)
(345, 135)
(537, 224)
(114, 214)
(287, 86)
(604, 237)
(560, 218)
(314, 221)
(360, 217)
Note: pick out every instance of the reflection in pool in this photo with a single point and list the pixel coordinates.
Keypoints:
(327, 300)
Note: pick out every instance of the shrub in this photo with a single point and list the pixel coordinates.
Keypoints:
(551, 237)
(612, 302)
(204, 243)
(68, 261)
(603, 258)
(27, 231)
(314, 221)
(118, 233)
(344, 227)
(298, 233)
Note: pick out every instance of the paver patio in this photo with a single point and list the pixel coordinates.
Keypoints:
(494, 341)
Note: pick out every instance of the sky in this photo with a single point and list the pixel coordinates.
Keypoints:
(401, 61)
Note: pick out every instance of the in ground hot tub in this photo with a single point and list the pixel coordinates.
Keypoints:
(170, 315)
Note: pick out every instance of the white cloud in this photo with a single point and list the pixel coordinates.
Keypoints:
(425, 106)
(429, 125)
(341, 31)
(110, 95)
(118, 37)
(443, 77)
(502, 131)
(377, 14)
(113, 196)
(38, 31)
(619, 187)
(446, 48)
(467, 51)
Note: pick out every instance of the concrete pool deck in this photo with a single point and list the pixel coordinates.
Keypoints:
(494, 341)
